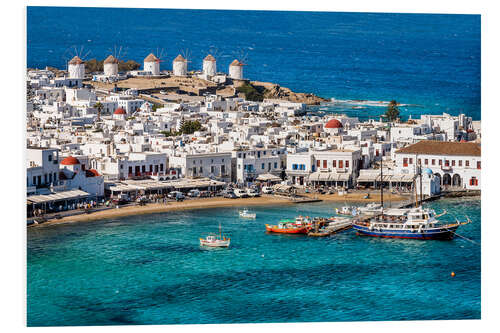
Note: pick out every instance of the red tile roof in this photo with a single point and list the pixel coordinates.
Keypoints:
(428, 147)
(70, 160)
(151, 58)
(111, 60)
(179, 58)
(76, 61)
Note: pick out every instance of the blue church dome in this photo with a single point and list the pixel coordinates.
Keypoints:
(428, 171)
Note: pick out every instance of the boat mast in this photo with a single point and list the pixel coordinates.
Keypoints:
(381, 186)
(220, 231)
(420, 172)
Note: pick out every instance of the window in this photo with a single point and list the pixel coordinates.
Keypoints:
(269, 166)
(50, 158)
(426, 161)
(294, 166)
(440, 162)
(376, 153)
(263, 166)
(302, 167)
(479, 164)
(453, 163)
(239, 155)
(161, 167)
(446, 163)
(467, 163)
(143, 168)
(334, 163)
(151, 168)
(325, 164)
(129, 169)
(341, 164)
(223, 169)
(433, 162)
(405, 162)
(346, 164)
(460, 163)
(473, 181)
(275, 165)
(411, 160)
(419, 161)
(34, 180)
(239, 166)
(201, 169)
(318, 163)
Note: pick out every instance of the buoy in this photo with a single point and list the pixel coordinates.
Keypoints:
(452, 274)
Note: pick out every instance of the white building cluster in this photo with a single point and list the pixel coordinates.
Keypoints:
(93, 142)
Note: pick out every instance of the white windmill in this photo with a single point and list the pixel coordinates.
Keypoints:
(152, 62)
(111, 62)
(210, 64)
(74, 58)
(236, 67)
(180, 63)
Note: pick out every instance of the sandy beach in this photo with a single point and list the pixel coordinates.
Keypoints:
(212, 203)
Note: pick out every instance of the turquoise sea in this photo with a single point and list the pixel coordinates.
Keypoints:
(431, 63)
(149, 269)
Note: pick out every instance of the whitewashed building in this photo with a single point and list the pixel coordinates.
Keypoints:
(236, 70)
(42, 168)
(76, 68)
(209, 66)
(456, 164)
(209, 165)
(110, 66)
(179, 66)
(152, 64)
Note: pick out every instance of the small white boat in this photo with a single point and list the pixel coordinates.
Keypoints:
(247, 215)
(213, 240)
(347, 211)
(371, 209)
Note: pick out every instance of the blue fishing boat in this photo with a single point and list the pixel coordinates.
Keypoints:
(416, 223)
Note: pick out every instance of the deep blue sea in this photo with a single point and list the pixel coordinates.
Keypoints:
(149, 269)
(430, 63)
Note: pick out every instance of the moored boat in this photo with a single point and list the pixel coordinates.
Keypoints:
(417, 223)
(213, 240)
(247, 215)
(347, 211)
(289, 226)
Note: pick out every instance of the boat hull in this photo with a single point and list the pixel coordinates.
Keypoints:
(274, 229)
(215, 244)
(435, 233)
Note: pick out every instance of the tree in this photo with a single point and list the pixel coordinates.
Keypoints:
(392, 112)
(189, 127)
(99, 107)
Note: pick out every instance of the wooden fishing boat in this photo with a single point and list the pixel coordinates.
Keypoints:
(213, 240)
(288, 226)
